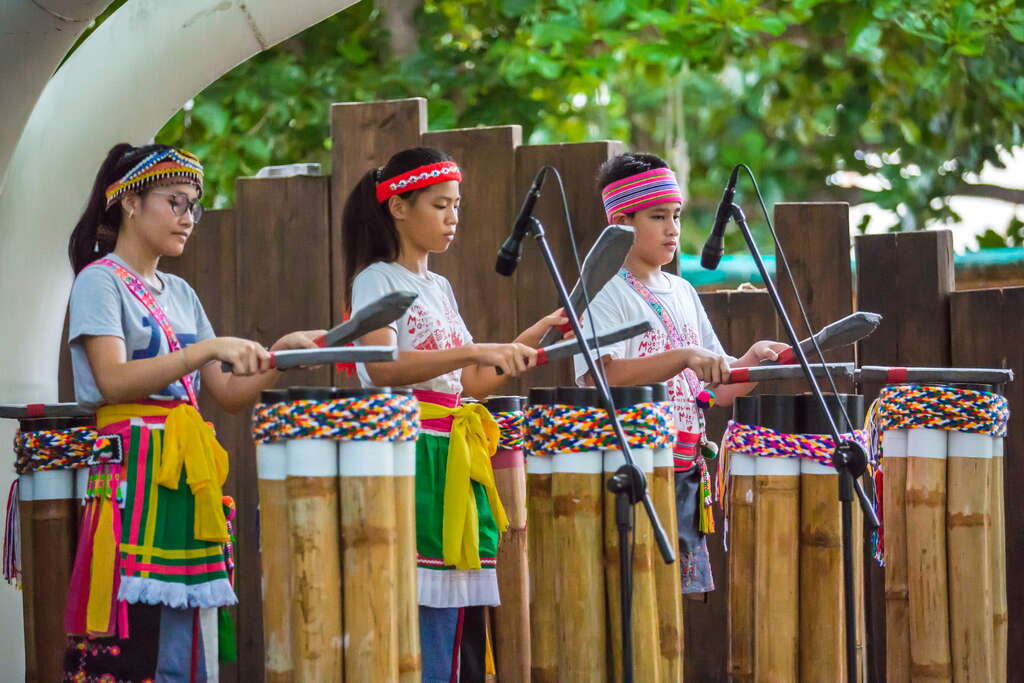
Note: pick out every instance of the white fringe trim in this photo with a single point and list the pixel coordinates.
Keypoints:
(457, 587)
(217, 593)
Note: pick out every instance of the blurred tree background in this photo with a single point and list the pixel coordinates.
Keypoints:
(885, 101)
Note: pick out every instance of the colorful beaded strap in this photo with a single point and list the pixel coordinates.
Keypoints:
(910, 406)
(511, 425)
(381, 417)
(64, 449)
(768, 443)
(555, 429)
(145, 297)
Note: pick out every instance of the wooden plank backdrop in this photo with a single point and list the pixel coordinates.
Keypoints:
(487, 157)
(578, 164)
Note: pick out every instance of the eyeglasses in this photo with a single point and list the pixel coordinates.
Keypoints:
(180, 203)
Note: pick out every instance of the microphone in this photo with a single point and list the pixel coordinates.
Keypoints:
(512, 249)
(713, 248)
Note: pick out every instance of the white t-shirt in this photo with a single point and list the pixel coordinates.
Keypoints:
(617, 304)
(431, 323)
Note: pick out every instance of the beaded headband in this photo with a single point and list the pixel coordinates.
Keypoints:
(417, 179)
(641, 191)
(168, 164)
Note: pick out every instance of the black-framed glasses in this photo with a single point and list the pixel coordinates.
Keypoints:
(180, 203)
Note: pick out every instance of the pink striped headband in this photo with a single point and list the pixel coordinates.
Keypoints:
(641, 191)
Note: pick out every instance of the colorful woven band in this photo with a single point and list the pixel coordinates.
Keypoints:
(168, 164)
(768, 443)
(552, 429)
(641, 191)
(417, 179)
(910, 406)
(64, 449)
(381, 417)
(511, 425)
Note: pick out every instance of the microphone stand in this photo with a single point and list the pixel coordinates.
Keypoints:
(848, 458)
(628, 483)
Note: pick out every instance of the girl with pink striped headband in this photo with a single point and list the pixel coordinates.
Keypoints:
(640, 191)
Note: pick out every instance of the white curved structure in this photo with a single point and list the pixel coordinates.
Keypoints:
(131, 75)
(36, 36)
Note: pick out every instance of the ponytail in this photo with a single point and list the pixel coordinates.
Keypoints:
(368, 232)
(95, 234)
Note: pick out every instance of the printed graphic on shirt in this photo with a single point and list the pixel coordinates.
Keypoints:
(175, 391)
(656, 340)
(429, 332)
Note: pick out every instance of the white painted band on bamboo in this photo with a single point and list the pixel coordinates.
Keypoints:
(538, 464)
(26, 489)
(644, 459)
(272, 460)
(366, 459)
(808, 466)
(927, 443)
(53, 485)
(894, 443)
(613, 460)
(586, 462)
(998, 448)
(81, 482)
(312, 458)
(742, 465)
(968, 445)
(405, 458)
(778, 467)
(663, 457)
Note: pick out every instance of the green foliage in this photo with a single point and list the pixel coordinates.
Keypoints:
(917, 94)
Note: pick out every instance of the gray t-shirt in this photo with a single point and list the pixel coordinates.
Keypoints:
(101, 304)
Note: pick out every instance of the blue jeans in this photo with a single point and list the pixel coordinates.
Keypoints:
(438, 629)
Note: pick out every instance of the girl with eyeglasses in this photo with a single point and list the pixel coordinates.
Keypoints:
(150, 571)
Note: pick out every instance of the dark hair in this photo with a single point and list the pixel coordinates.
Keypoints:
(626, 165)
(95, 234)
(368, 232)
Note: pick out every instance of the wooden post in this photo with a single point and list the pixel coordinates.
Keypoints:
(915, 331)
(972, 313)
(369, 545)
(739, 318)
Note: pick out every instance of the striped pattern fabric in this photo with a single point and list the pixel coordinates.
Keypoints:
(380, 417)
(641, 191)
(570, 429)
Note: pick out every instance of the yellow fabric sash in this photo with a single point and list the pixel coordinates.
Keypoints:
(189, 442)
(473, 440)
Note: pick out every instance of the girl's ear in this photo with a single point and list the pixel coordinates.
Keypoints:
(131, 203)
(620, 218)
(398, 207)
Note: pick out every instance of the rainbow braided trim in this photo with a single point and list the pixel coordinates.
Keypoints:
(554, 429)
(511, 425)
(381, 417)
(768, 443)
(63, 449)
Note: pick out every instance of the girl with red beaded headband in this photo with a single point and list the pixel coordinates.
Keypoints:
(151, 568)
(394, 219)
(681, 348)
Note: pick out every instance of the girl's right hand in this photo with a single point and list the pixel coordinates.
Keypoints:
(709, 367)
(513, 358)
(246, 357)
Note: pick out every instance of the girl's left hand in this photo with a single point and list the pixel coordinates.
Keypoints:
(766, 350)
(532, 335)
(304, 339)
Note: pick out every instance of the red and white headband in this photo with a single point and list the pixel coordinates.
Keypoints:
(417, 179)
